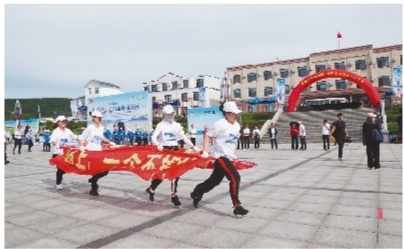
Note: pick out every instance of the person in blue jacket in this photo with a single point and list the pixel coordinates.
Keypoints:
(138, 135)
(122, 136)
(46, 136)
(145, 137)
(115, 135)
(131, 136)
(107, 134)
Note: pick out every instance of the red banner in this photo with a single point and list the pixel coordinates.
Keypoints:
(145, 161)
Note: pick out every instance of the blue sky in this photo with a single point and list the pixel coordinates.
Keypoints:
(54, 50)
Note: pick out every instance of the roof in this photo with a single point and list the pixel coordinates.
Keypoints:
(101, 83)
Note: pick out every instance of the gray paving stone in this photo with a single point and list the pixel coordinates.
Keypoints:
(17, 209)
(353, 223)
(30, 218)
(13, 237)
(94, 214)
(54, 226)
(301, 218)
(47, 243)
(259, 241)
(390, 241)
(370, 203)
(332, 237)
(85, 234)
(141, 240)
(70, 208)
(392, 214)
(391, 227)
(248, 224)
(123, 220)
(311, 207)
(174, 230)
(285, 230)
(370, 212)
(317, 199)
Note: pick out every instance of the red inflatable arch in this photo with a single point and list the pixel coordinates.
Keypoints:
(334, 73)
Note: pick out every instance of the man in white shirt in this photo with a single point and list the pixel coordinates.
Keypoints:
(273, 136)
(302, 135)
(18, 134)
(256, 138)
(193, 133)
(246, 136)
(6, 141)
(166, 136)
(225, 132)
(325, 131)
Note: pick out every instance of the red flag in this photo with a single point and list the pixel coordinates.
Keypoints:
(339, 35)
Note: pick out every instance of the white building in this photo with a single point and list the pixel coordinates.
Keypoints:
(183, 92)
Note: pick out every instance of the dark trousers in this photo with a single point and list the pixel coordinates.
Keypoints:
(30, 144)
(373, 153)
(17, 143)
(95, 178)
(117, 141)
(223, 167)
(274, 141)
(246, 142)
(303, 144)
(193, 141)
(295, 142)
(256, 143)
(340, 141)
(59, 173)
(174, 184)
(326, 141)
(5, 153)
(131, 141)
(139, 141)
(145, 141)
(240, 141)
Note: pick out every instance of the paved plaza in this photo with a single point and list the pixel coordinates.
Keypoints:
(297, 199)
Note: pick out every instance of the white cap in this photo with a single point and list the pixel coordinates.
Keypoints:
(231, 106)
(168, 109)
(370, 115)
(60, 118)
(96, 114)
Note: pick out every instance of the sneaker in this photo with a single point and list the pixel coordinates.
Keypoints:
(59, 186)
(175, 201)
(151, 194)
(196, 199)
(340, 158)
(94, 192)
(6, 162)
(239, 210)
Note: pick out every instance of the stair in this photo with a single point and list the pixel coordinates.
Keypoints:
(312, 120)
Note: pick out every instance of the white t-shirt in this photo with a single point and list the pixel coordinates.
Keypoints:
(18, 134)
(225, 137)
(256, 131)
(325, 129)
(168, 134)
(273, 133)
(246, 132)
(92, 137)
(61, 138)
(193, 133)
(302, 130)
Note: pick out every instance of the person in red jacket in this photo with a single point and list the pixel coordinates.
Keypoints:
(294, 133)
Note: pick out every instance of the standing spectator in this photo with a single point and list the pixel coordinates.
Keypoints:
(131, 137)
(372, 147)
(37, 138)
(18, 139)
(294, 133)
(302, 135)
(325, 131)
(138, 135)
(193, 133)
(256, 138)
(273, 136)
(145, 137)
(6, 141)
(30, 139)
(115, 135)
(339, 132)
(122, 136)
(240, 141)
(246, 137)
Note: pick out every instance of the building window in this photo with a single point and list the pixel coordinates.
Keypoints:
(340, 84)
(154, 88)
(267, 75)
(237, 93)
(89, 91)
(252, 108)
(284, 73)
(360, 65)
(196, 96)
(269, 108)
(320, 68)
(175, 85)
(199, 83)
(321, 85)
(268, 91)
(167, 98)
(146, 88)
(164, 86)
(153, 99)
(287, 89)
(339, 65)
(384, 81)
(96, 90)
(382, 62)
(251, 77)
(236, 79)
(184, 97)
(185, 83)
(302, 71)
(252, 92)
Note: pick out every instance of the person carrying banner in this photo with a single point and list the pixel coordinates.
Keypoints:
(93, 136)
(166, 136)
(225, 132)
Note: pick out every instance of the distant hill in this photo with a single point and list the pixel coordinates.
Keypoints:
(49, 106)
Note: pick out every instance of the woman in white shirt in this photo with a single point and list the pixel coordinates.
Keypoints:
(60, 137)
(193, 133)
(225, 132)
(325, 131)
(18, 134)
(166, 136)
(92, 137)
